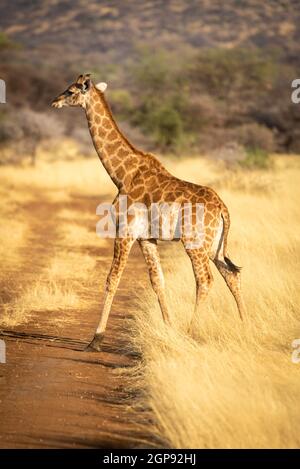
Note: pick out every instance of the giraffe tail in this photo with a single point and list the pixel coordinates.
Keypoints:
(226, 225)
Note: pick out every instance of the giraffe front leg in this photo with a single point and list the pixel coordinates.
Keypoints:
(121, 252)
(95, 345)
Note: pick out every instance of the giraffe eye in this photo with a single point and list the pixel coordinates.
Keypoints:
(69, 93)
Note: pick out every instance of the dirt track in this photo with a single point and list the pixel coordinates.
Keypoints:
(53, 393)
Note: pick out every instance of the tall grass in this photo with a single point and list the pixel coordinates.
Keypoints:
(229, 384)
(225, 384)
(34, 281)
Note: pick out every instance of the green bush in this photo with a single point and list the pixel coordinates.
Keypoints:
(175, 100)
(121, 102)
(161, 101)
(6, 43)
(256, 158)
(255, 136)
(224, 71)
(167, 127)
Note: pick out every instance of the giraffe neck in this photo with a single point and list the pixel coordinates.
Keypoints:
(118, 156)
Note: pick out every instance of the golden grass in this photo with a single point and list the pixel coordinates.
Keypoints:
(74, 215)
(228, 384)
(75, 235)
(58, 284)
(42, 296)
(12, 236)
(64, 266)
(84, 176)
(58, 289)
(13, 225)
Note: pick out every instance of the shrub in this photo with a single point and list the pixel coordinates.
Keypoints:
(256, 159)
(24, 129)
(224, 71)
(6, 43)
(167, 127)
(255, 137)
(160, 103)
(231, 153)
(121, 102)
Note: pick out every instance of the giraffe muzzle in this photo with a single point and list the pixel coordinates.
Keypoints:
(57, 103)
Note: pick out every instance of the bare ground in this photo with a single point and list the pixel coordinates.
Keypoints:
(222, 384)
(53, 393)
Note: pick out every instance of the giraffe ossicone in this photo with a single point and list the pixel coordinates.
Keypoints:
(145, 181)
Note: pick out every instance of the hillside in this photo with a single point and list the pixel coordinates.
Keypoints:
(183, 76)
(114, 28)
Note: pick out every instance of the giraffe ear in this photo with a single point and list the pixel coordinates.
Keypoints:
(101, 86)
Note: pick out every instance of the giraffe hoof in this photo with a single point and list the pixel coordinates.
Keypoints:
(95, 345)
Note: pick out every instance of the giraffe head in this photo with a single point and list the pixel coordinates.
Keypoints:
(78, 93)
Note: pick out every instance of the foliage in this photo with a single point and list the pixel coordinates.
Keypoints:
(196, 101)
(6, 43)
(224, 71)
(121, 102)
(177, 101)
(24, 130)
(161, 99)
(256, 159)
(167, 126)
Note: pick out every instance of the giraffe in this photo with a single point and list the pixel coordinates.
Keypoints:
(143, 179)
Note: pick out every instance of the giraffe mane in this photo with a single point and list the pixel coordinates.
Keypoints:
(108, 109)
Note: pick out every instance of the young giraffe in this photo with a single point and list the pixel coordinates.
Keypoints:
(142, 178)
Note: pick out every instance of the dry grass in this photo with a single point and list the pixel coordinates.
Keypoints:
(64, 265)
(61, 177)
(13, 225)
(12, 235)
(58, 284)
(225, 385)
(231, 385)
(76, 235)
(43, 296)
(59, 288)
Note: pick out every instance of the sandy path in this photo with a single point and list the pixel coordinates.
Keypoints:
(52, 392)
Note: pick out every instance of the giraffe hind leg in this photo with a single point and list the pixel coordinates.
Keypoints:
(151, 256)
(229, 271)
(231, 266)
(232, 277)
(202, 273)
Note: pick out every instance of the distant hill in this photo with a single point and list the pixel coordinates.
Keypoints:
(200, 75)
(110, 30)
